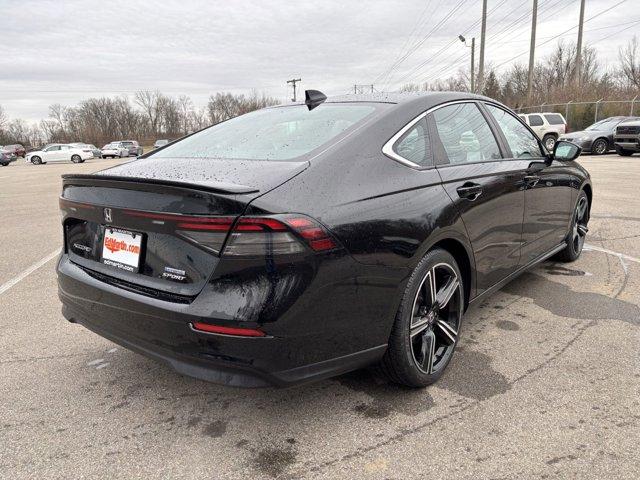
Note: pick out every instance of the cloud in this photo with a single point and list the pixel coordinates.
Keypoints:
(64, 51)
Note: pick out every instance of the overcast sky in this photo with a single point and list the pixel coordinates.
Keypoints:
(62, 51)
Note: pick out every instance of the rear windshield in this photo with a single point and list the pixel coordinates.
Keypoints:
(554, 119)
(277, 134)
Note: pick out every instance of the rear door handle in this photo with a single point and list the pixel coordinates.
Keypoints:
(470, 191)
(531, 180)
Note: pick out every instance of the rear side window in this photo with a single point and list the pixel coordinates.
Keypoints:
(415, 146)
(535, 120)
(554, 119)
(465, 134)
(278, 134)
(522, 142)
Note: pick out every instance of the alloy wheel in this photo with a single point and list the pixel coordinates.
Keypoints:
(435, 318)
(600, 147)
(580, 228)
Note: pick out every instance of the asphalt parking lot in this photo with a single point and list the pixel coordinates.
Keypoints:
(545, 383)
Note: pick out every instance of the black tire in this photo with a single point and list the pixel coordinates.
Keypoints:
(623, 153)
(599, 147)
(4, 164)
(420, 324)
(578, 232)
(549, 141)
(36, 160)
(76, 159)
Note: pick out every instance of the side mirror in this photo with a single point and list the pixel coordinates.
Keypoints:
(566, 151)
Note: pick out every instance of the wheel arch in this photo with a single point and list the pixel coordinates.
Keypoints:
(463, 255)
(589, 191)
(606, 140)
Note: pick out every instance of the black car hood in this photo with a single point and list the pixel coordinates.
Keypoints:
(230, 176)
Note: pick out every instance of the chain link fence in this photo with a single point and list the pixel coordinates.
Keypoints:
(580, 115)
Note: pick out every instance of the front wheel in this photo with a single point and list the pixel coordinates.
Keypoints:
(36, 160)
(600, 147)
(425, 332)
(4, 164)
(623, 153)
(578, 232)
(76, 158)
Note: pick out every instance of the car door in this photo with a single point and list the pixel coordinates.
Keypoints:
(485, 187)
(547, 187)
(52, 153)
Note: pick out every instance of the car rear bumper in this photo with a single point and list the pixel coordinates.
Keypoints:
(162, 330)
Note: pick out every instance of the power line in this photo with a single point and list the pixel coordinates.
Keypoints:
(418, 44)
(414, 72)
(562, 33)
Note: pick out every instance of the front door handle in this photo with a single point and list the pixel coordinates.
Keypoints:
(470, 191)
(531, 180)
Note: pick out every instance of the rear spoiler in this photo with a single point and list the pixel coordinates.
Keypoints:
(213, 187)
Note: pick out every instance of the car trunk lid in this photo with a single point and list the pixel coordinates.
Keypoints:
(138, 225)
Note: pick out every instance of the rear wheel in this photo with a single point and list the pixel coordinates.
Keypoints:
(549, 142)
(36, 160)
(600, 147)
(4, 164)
(578, 232)
(76, 159)
(425, 332)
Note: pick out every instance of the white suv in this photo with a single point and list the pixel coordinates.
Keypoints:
(547, 125)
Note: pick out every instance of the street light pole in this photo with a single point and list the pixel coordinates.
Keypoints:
(473, 59)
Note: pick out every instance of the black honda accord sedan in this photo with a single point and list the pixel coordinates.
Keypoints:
(299, 242)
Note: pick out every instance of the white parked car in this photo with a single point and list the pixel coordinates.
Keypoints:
(115, 149)
(59, 152)
(548, 126)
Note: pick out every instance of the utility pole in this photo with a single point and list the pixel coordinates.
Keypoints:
(293, 81)
(483, 31)
(357, 88)
(532, 50)
(579, 46)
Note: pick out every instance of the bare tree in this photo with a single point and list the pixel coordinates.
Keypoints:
(185, 107)
(629, 57)
(3, 118)
(152, 104)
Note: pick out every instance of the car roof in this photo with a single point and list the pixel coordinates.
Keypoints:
(401, 98)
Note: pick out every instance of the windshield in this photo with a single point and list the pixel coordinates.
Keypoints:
(277, 134)
(604, 125)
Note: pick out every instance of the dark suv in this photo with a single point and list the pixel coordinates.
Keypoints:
(16, 149)
(627, 138)
(134, 147)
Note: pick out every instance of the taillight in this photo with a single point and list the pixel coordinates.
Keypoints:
(258, 236)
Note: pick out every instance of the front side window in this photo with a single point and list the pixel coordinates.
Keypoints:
(414, 145)
(522, 142)
(535, 120)
(465, 134)
(53, 148)
(277, 134)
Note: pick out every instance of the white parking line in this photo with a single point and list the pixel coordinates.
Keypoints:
(25, 273)
(621, 256)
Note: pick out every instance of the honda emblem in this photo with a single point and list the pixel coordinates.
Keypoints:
(107, 215)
